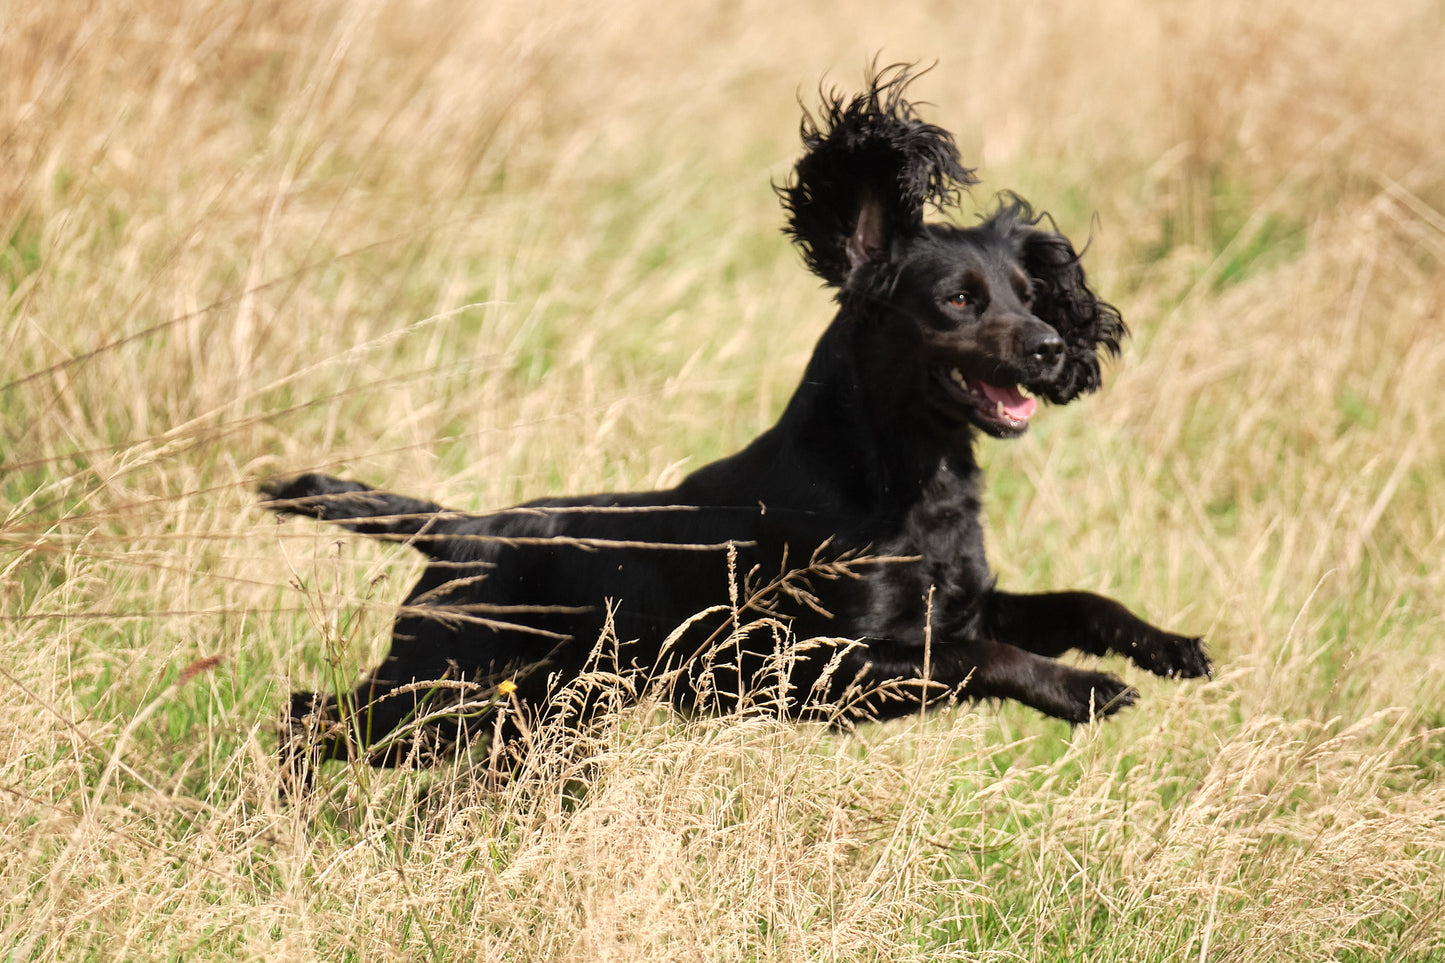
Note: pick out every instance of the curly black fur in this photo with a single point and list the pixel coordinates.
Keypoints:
(1061, 296)
(861, 505)
(867, 158)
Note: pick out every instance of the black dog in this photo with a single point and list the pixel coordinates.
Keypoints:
(853, 522)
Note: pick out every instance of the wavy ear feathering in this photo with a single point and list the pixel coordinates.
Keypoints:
(1061, 295)
(869, 168)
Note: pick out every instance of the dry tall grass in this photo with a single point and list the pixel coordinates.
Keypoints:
(481, 252)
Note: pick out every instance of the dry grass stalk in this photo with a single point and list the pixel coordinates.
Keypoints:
(491, 253)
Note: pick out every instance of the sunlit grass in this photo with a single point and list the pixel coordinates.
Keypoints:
(483, 253)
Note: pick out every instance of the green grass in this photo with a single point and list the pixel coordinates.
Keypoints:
(484, 255)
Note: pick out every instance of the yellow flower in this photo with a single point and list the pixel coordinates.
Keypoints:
(506, 688)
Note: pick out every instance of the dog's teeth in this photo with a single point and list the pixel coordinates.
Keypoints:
(956, 375)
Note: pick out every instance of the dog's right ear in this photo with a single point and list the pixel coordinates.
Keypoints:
(870, 167)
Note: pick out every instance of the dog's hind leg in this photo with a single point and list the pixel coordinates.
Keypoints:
(887, 681)
(379, 723)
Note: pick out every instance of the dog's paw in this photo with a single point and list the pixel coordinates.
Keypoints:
(1097, 695)
(296, 746)
(1172, 656)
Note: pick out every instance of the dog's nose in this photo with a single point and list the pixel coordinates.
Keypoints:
(1045, 349)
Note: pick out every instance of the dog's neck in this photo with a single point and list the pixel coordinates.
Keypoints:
(859, 416)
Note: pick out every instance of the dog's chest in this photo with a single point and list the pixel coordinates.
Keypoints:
(947, 574)
(944, 529)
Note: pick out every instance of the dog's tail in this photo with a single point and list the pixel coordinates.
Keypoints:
(360, 508)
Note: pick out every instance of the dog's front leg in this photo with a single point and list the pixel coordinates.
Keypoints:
(888, 680)
(1054, 622)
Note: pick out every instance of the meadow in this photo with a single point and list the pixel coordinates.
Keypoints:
(486, 252)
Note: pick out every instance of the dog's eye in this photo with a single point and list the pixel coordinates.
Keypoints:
(961, 300)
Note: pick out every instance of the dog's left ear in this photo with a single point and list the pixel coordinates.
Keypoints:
(869, 169)
(1061, 297)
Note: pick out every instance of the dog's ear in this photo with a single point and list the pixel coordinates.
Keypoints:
(1061, 296)
(869, 168)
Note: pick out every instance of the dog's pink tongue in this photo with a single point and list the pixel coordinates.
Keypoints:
(1015, 404)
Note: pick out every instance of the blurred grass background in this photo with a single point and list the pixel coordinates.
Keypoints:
(486, 252)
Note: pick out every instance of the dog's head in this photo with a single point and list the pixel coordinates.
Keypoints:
(978, 319)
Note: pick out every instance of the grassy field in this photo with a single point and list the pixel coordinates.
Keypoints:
(481, 252)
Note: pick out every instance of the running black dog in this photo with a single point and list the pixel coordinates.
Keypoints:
(835, 567)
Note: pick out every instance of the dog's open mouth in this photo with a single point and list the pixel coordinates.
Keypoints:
(999, 410)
